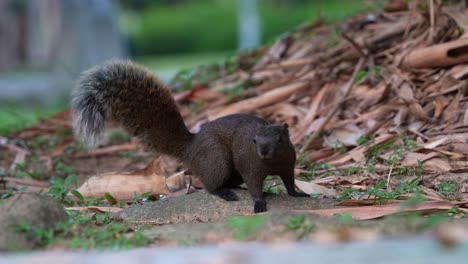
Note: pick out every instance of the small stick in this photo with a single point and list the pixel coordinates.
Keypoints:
(348, 87)
(354, 44)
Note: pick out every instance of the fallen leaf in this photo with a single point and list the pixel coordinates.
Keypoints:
(433, 162)
(436, 143)
(450, 113)
(365, 202)
(406, 93)
(106, 151)
(122, 186)
(348, 135)
(378, 211)
(310, 187)
(440, 104)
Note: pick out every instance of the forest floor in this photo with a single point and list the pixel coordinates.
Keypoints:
(381, 134)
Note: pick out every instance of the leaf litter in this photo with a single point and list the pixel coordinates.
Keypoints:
(386, 100)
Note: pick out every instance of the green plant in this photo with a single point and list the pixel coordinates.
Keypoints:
(245, 227)
(103, 218)
(364, 141)
(59, 189)
(61, 169)
(23, 170)
(79, 232)
(447, 187)
(344, 219)
(299, 225)
(346, 194)
(119, 137)
(339, 146)
(303, 159)
(235, 92)
(380, 193)
(361, 75)
(274, 185)
(313, 169)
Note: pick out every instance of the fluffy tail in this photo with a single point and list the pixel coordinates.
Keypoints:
(131, 95)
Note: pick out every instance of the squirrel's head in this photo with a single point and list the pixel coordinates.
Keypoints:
(269, 140)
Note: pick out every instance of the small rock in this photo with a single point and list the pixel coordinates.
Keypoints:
(30, 210)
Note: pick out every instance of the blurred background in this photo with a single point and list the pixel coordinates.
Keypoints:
(44, 45)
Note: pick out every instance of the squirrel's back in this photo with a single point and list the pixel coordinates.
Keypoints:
(131, 95)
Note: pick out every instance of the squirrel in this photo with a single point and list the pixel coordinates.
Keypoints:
(225, 153)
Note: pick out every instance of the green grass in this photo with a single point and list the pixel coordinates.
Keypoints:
(208, 25)
(16, 116)
(246, 227)
(179, 61)
(276, 19)
(166, 66)
(83, 232)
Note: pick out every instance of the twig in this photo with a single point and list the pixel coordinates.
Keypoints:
(348, 87)
(432, 19)
(20, 153)
(452, 131)
(353, 43)
(388, 177)
(106, 151)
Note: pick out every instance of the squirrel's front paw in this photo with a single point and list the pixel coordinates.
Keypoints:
(260, 206)
(299, 194)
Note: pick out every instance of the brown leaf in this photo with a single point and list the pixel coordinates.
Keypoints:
(461, 148)
(378, 211)
(450, 114)
(122, 186)
(348, 135)
(106, 151)
(310, 187)
(406, 93)
(440, 105)
(434, 144)
(365, 202)
(416, 110)
(400, 117)
(268, 98)
(433, 161)
(61, 147)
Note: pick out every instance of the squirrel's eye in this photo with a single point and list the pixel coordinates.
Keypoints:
(279, 140)
(254, 141)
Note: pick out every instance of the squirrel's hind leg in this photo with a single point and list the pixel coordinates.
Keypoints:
(225, 194)
(215, 173)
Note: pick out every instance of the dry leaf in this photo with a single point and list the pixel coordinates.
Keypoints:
(378, 211)
(122, 186)
(365, 202)
(406, 93)
(310, 187)
(268, 98)
(348, 135)
(433, 161)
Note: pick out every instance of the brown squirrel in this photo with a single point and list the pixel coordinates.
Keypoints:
(225, 153)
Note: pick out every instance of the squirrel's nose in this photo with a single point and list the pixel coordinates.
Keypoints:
(264, 152)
